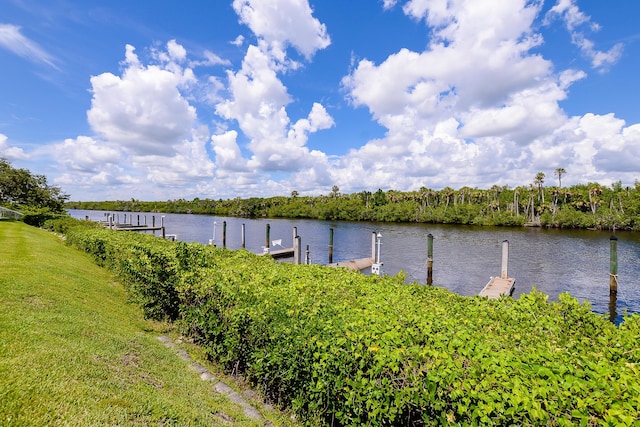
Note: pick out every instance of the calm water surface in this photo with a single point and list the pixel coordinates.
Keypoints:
(464, 258)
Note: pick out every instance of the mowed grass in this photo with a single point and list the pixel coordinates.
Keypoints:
(73, 352)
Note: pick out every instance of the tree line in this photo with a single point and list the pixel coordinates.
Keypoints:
(20, 189)
(592, 205)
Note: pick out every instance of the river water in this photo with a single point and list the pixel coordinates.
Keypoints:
(464, 257)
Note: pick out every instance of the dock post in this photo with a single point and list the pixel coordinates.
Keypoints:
(613, 265)
(295, 232)
(330, 245)
(162, 226)
(267, 244)
(297, 253)
(243, 245)
(505, 260)
(430, 259)
(224, 234)
(153, 221)
(138, 220)
(376, 267)
(212, 241)
(307, 259)
(373, 246)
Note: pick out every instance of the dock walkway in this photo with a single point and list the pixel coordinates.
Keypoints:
(497, 287)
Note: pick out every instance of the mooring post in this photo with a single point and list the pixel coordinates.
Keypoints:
(297, 253)
(504, 273)
(430, 259)
(330, 245)
(162, 225)
(212, 241)
(307, 260)
(243, 245)
(373, 246)
(267, 244)
(138, 220)
(224, 234)
(153, 221)
(376, 267)
(613, 265)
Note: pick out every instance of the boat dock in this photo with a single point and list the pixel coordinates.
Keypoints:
(355, 264)
(502, 285)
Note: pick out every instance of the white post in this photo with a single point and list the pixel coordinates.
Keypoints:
(213, 240)
(376, 267)
(373, 246)
(505, 260)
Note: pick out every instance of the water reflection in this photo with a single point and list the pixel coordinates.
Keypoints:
(464, 258)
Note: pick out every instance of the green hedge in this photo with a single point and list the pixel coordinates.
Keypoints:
(345, 349)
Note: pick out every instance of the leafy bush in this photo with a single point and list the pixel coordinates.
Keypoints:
(346, 349)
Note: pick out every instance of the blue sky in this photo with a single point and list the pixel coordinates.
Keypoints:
(158, 100)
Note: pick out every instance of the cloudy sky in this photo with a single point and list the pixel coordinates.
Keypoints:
(158, 100)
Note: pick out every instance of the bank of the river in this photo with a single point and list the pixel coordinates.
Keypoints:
(551, 260)
(73, 352)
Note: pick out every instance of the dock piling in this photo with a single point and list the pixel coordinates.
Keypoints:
(613, 265)
(430, 259)
(505, 260)
(243, 242)
(330, 245)
(224, 234)
(297, 253)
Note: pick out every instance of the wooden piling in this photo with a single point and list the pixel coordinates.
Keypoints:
(505, 260)
(243, 243)
(330, 245)
(307, 259)
(613, 265)
(224, 234)
(373, 247)
(297, 253)
(430, 259)
(267, 244)
(162, 226)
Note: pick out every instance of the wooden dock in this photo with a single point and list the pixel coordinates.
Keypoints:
(282, 253)
(497, 287)
(502, 285)
(355, 264)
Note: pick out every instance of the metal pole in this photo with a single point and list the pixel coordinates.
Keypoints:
(330, 245)
(430, 259)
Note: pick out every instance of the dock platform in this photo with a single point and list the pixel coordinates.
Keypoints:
(356, 264)
(497, 287)
(282, 253)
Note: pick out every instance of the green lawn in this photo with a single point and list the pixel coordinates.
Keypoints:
(74, 352)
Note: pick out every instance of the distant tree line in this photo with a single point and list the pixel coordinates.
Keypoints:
(580, 206)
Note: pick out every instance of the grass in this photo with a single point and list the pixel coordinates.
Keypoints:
(74, 352)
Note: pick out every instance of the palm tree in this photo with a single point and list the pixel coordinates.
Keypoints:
(538, 181)
(559, 172)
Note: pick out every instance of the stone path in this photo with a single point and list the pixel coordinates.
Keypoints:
(218, 385)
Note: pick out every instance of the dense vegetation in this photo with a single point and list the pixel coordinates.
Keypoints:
(579, 206)
(345, 349)
(22, 190)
